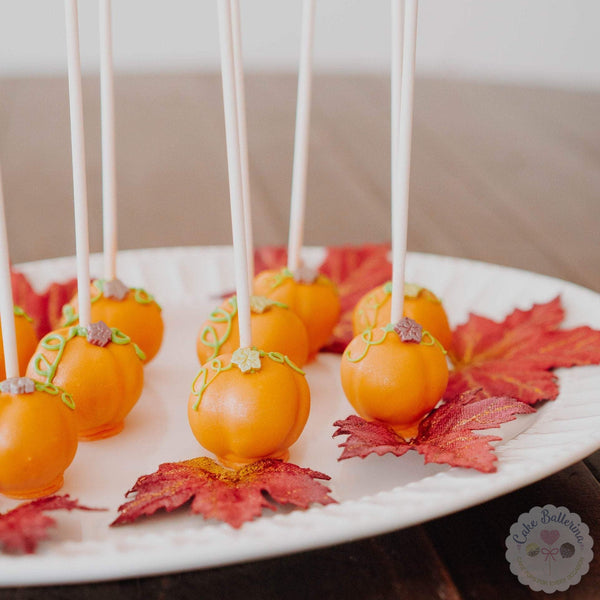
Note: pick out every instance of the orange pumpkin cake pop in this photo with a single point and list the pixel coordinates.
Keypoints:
(420, 304)
(274, 328)
(26, 341)
(131, 310)
(100, 367)
(38, 437)
(248, 405)
(312, 296)
(394, 374)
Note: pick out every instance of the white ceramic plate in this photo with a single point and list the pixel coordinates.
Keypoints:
(375, 495)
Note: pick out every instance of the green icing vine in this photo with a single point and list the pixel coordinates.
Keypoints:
(432, 341)
(209, 337)
(368, 337)
(70, 317)
(217, 366)
(140, 295)
(120, 338)
(54, 390)
(280, 277)
(55, 342)
(99, 285)
(19, 312)
(371, 304)
(282, 359)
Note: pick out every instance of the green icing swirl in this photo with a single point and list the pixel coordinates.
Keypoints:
(70, 316)
(54, 390)
(120, 338)
(217, 366)
(19, 312)
(371, 304)
(280, 277)
(208, 335)
(55, 342)
(368, 337)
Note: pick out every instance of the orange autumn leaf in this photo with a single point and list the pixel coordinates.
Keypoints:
(232, 496)
(445, 435)
(22, 528)
(516, 357)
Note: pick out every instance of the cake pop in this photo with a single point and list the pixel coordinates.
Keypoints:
(100, 367)
(38, 437)
(313, 297)
(131, 310)
(249, 405)
(26, 341)
(394, 374)
(420, 304)
(274, 328)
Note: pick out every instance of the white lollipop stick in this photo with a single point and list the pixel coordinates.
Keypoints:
(401, 180)
(235, 172)
(107, 111)
(300, 166)
(240, 96)
(7, 315)
(78, 158)
(397, 22)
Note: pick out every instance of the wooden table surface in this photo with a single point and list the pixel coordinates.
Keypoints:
(503, 174)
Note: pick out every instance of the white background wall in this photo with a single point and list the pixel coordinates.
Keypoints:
(553, 42)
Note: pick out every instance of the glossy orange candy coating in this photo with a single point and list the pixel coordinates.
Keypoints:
(420, 304)
(395, 382)
(276, 329)
(244, 417)
(26, 343)
(38, 440)
(141, 321)
(317, 303)
(105, 382)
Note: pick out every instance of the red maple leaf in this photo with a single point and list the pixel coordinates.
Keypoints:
(355, 270)
(45, 308)
(224, 494)
(445, 436)
(269, 257)
(515, 357)
(23, 527)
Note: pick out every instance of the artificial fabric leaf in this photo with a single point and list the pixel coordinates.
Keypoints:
(269, 257)
(44, 308)
(233, 496)
(24, 526)
(515, 357)
(445, 436)
(355, 270)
